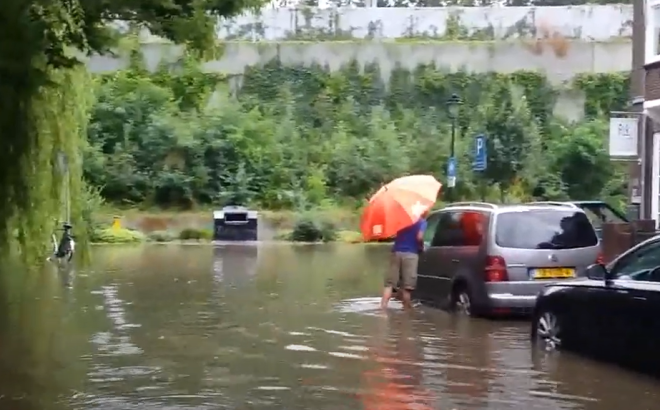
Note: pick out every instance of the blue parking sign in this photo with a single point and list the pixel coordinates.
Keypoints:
(480, 153)
(451, 172)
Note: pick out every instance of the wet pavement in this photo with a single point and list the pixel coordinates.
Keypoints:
(276, 327)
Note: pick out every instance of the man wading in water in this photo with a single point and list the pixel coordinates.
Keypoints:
(403, 263)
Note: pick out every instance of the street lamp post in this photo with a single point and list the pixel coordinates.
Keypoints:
(453, 107)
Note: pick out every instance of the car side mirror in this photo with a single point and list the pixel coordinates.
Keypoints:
(597, 271)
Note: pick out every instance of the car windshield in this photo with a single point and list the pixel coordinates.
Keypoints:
(544, 229)
(641, 264)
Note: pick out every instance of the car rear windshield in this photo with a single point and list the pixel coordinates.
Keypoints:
(544, 229)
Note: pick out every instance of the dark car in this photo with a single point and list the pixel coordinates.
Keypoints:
(613, 315)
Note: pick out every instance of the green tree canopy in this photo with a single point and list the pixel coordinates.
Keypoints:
(55, 27)
(45, 94)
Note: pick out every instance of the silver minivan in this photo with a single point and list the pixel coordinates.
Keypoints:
(483, 259)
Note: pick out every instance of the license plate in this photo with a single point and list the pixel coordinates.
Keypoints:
(554, 273)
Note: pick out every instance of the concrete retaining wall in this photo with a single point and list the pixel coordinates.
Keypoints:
(560, 61)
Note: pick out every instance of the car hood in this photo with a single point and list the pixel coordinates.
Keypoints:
(578, 282)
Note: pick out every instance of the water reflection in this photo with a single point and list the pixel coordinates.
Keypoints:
(235, 265)
(396, 382)
(275, 326)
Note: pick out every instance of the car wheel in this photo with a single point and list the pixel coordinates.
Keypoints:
(462, 301)
(546, 331)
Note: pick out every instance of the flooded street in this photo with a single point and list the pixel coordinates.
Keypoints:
(283, 327)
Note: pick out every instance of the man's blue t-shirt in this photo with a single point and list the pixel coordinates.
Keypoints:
(406, 239)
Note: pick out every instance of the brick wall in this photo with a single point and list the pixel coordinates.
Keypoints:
(652, 83)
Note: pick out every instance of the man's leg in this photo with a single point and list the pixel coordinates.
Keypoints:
(409, 262)
(391, 278)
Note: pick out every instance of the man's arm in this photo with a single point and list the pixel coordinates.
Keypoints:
(422, 228)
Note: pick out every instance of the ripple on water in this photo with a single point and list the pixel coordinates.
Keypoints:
(356, 348)
(314, 366)
(347, 355)
(332, 332)
(300, 348)
(366, 305)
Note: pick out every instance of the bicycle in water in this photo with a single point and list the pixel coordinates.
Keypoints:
(64, 249)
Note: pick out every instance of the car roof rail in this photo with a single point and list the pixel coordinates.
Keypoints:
(475, 204)
(553, 203)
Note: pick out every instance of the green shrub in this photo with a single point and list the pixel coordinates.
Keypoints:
(282, 235)
(121, 235)
(162, 236)
(328, 231)
(309, 229)
(349, 236)
(193, 234)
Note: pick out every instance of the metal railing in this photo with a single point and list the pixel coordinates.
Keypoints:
(475, 204)
(553, 203)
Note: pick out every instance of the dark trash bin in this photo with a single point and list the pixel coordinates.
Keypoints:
(235, 223)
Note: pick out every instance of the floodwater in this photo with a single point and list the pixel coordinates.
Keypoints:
(275, 327)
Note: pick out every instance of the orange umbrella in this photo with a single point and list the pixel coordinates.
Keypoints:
(398, 205)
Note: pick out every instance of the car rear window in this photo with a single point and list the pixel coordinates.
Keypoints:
(600, 214)
(544, 229)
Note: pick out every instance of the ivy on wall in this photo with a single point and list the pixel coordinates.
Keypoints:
(604, 92)
(429, 86)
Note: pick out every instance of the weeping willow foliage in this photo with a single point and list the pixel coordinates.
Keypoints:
(35, 128)
(43, 104)
(44, 96)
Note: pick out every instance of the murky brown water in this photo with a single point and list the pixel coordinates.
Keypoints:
(276, 327)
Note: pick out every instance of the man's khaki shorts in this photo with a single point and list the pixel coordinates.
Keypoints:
(403, 266)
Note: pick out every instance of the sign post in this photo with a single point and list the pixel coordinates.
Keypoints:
(451, 172)
(480, 153)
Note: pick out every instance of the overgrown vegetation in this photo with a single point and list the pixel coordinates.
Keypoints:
(117, 236)
(310, 229)
(44, 98)
(302, 137)
(126, 236)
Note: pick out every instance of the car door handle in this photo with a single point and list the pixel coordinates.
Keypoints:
(455, 261)
(643, 299)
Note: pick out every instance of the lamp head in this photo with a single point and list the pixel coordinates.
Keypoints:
(453, 105)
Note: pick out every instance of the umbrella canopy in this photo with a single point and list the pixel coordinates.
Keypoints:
(398, 205)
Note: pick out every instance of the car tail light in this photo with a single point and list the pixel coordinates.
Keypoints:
(496, 269)
(600, 258)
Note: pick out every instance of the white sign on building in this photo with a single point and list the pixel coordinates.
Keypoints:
(623, 137)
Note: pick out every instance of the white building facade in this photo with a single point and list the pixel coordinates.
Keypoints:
(652, 52)
(652, 94)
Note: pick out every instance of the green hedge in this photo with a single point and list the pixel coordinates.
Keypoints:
(117, 236)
